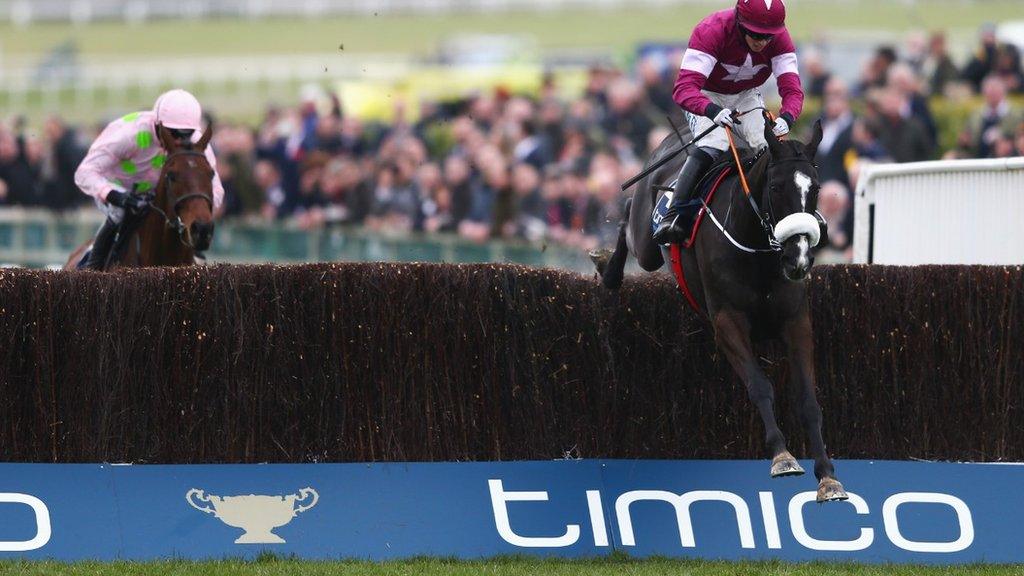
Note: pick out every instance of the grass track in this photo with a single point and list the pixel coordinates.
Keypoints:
(498, 567)
(615, 28)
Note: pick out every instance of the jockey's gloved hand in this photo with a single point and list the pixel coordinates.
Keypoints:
(723, 117)
(138, 204)
(117, 198)
(131, 202)
(782, 124)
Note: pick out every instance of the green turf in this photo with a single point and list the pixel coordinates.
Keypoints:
(617, 29)
(499, 567)
(347, 39)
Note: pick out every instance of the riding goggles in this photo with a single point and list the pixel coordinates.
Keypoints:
(181, 134)
(755, 35)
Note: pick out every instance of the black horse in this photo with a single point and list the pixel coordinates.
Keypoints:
(746, 271)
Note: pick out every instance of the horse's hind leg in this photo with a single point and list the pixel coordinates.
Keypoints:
(732, 334)
(800, 348)
(646, 250)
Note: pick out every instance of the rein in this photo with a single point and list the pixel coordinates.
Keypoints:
(766, 224)
(774, 247)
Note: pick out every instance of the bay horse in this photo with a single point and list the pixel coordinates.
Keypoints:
(749, 277)
(179, 222)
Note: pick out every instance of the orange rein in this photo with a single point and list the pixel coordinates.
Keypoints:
(736, 155)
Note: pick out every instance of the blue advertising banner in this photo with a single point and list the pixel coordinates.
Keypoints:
(905, 512)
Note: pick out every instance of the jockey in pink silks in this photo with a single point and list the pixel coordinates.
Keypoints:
(729, 57)
(127, 158)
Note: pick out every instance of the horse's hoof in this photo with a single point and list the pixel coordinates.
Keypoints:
(785, 465)
(831, 490)
(600, 258)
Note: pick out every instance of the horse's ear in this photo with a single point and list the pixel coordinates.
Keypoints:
(205, 140)
(769, 135)
(165, 138)
(812, 146)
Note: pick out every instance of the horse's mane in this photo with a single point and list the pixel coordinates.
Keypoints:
(757, 173)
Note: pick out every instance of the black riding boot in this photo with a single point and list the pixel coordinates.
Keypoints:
(101, 246)
(675, 226)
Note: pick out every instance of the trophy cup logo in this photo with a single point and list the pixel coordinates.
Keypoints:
(256, 515)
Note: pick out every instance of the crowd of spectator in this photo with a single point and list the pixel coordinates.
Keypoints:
(893, 121)
(499, 165)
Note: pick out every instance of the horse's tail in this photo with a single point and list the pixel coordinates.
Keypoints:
(613, 272)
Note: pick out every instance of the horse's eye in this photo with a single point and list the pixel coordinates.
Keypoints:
(170, 176)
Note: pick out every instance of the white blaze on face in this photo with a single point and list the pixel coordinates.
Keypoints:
(804, 245)
(768, 3)
(803, 182)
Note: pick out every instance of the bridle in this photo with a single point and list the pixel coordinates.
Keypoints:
(766, 217)
(184, 234)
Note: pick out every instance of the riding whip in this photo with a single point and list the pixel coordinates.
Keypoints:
(666, 159)
(675, 153)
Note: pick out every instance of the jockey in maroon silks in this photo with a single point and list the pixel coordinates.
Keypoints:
(729, 57)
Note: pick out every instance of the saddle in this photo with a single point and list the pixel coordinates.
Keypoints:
(706, 188)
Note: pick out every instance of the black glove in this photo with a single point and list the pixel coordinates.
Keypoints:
(117, 198)
(133, 203)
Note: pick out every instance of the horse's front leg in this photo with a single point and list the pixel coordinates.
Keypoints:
(799, 342)
(732, 335)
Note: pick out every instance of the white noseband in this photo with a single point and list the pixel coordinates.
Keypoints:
(799, 223)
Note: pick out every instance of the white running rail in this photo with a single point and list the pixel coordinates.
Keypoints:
(944, 212)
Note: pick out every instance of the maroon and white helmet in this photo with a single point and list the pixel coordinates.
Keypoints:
(762, 16)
